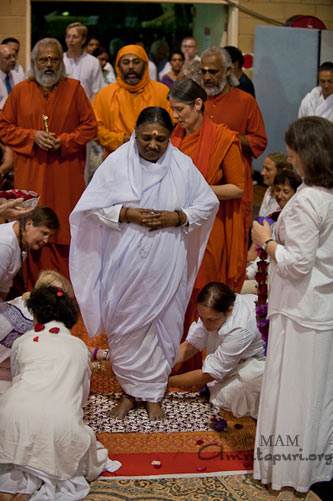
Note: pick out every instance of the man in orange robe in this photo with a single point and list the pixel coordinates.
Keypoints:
(239, 110)
(49, 152)
(118, 105)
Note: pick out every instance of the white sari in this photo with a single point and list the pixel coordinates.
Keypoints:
(133, 283)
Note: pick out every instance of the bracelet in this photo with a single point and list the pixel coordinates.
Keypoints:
(105, 354)
(95, 354)
(180, 214)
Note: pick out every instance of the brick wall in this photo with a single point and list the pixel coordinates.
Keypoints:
(13, 18)
(280, 10)
(13, 23)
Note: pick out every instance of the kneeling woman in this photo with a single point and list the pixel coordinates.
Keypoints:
(139, 232)
(45, 448)
(235, 359)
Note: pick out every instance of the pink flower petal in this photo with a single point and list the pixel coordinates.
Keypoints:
(201, 468)
(156, 464)
(200, 442)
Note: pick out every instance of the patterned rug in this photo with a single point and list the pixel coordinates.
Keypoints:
(185, 412)
(151, 443)
(228, 488)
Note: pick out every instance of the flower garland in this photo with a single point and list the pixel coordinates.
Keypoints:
(261, 303)
(261, 278)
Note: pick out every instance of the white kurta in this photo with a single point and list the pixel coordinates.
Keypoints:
(10, 256)
(136, 283)
(268, 204)
(295, 424)
(235, 358)
(86, 69)
(41, 417)
(314, 104)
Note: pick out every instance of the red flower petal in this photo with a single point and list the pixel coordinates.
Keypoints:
(54, 330)
(201, 468)
(36, 339)
(200, 442)
(156, 464)
(39, 327)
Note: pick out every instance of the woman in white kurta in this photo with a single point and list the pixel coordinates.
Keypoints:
(46, 450)
(18, 237)
(138, 236)
(235, 360)
(295, 422)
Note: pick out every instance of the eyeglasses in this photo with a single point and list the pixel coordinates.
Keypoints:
(45, 60)
(203, 71)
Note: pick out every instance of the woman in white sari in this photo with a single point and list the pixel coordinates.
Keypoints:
(139, 232)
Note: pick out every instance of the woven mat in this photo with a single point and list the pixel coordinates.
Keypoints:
(184, 412)
(227, 488)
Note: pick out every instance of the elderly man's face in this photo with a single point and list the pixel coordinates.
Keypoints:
(15, 47)
(48, 65)
(132, 68)
(326, 83)
(213, 76)
(7, 59)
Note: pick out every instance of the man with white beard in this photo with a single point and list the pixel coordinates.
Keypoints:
(47, 121)
(231, 106)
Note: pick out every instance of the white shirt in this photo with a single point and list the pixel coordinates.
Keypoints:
(86, 69)
(14, 78)
(268, 204)
(302, 277)
(315, 104)
(19, 71)
(237, 339)
(10, 256)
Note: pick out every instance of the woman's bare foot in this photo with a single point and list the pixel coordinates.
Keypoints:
(155, 411)
(126, 404)
(21, 497)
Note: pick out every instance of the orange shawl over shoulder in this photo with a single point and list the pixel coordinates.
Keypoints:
(215, 150)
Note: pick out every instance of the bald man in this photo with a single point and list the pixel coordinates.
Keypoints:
(8, 77)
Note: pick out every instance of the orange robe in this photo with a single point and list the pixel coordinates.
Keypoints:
(240, 111)
(56, 176)
(215, 150)
(118, 105)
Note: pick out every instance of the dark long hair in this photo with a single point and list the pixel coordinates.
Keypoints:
(217, 296)
(312, 139)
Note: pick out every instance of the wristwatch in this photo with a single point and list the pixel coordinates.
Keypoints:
(264, 245)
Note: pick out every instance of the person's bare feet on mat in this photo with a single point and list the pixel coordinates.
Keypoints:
(125, 405)
(155, 411)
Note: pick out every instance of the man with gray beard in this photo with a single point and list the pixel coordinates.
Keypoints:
(231, 106)
(47, 121)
